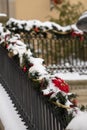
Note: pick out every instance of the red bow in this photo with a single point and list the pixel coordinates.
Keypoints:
(61, 84)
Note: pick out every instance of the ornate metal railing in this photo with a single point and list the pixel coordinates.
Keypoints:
(61, 53)
(36, 110)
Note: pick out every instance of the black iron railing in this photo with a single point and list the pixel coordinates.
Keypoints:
(34, 108)
(63, 53)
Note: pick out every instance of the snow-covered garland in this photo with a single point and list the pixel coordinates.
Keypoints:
(52, 86)
(37, 27)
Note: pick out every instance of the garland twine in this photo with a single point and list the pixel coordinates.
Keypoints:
(61, 105)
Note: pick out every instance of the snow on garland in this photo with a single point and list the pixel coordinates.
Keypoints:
(52, 86)
(36, 27)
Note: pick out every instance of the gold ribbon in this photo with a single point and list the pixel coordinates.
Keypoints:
(61, 105)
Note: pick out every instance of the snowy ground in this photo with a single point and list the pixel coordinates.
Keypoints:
(8, 114)
(72, 76)
(79, 122)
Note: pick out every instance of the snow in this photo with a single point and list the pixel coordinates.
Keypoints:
(74, 27)
(79, 122)
(84, 15)
(8, 114)
(2, 14)
(72, 76)
(7, 109)
(30, 23)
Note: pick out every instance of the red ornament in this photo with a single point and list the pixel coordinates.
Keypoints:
(57, 1)
(61, 84)
(36, 29)
(24, 69)
(6, 46)
(74, 103)
(30, 64)
(74, 34)
(81, 38)
(6, 36)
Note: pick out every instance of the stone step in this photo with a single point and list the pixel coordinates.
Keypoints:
(80, 92)
(80, 88)
(82, 96)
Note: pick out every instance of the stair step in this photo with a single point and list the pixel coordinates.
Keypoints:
(82, 96)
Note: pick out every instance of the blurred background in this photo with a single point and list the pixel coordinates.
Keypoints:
(37, 9)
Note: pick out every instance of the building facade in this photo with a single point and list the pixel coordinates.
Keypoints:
(38, 9)
(29, 9)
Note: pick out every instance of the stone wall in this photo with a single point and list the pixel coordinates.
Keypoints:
(80, 88)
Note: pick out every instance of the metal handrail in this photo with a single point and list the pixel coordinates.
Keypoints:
(64, 53)
(37, 112)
